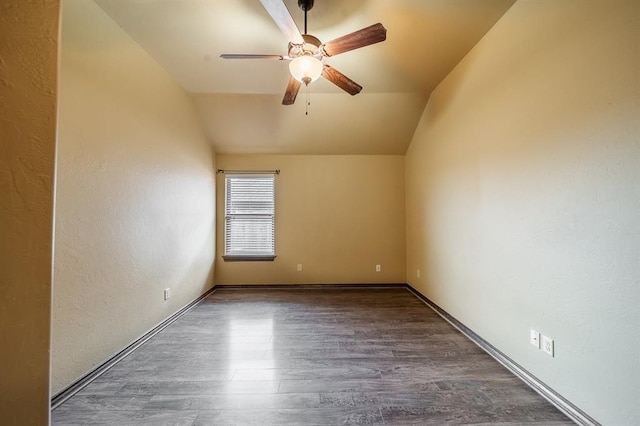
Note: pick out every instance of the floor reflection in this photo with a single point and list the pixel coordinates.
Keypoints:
(251, 349)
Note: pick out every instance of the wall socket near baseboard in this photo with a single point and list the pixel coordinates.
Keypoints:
(541, 341)
(167, 293)
(378, 268)
(299, 267)
(547, 345)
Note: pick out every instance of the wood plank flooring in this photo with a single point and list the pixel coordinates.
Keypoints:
(308, 357)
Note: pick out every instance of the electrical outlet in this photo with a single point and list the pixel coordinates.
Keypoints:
(547, 345)
(378, 269)
(535, 338)
(167, 293)
(418, 273)
(299, 267)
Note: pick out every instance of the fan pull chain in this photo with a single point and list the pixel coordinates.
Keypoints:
(308, 101)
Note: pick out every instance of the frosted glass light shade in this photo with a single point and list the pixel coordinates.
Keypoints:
(306, 69)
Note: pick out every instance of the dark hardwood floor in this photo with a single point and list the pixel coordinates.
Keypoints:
(308, 357)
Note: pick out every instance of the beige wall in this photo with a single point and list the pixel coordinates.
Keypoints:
(28, 91)
(523, 197)
(338, 216)
(135, 195)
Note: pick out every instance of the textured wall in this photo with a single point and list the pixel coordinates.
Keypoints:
(523, 197)
(338, 216)
(135, 195)
(28, 69)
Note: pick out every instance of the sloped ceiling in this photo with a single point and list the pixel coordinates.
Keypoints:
(240, 100)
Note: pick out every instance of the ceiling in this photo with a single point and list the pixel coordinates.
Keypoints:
(240, 100)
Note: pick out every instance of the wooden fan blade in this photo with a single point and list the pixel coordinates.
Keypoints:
(341, 80)
(292, 91)
(249, 56)
(281, 16)
(364, 37)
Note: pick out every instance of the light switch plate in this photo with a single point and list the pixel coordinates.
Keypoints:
(535, 338)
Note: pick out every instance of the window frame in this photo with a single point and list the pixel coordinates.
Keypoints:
(228, 216)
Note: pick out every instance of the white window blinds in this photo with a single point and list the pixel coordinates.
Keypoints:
(249, 216)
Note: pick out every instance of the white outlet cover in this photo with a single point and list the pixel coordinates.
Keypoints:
(547, 345)
(535, 338)
(418, 273)
(299, 267)
(378, 269)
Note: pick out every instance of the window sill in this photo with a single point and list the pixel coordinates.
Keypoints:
(248, 258)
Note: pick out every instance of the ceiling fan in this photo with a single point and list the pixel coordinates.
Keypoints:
(306, 52)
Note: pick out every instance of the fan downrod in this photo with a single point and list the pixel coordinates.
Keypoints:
(306, 6)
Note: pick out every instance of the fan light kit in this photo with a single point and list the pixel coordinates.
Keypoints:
(307, 52)
(306, 69)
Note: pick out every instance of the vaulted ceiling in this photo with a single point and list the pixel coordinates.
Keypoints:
(240, 100)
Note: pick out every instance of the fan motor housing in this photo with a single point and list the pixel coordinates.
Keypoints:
(310, 47)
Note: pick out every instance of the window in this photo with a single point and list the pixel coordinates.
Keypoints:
(249, 217)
